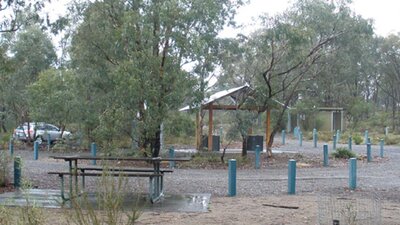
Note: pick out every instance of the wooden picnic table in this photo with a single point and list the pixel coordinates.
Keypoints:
(156, 186)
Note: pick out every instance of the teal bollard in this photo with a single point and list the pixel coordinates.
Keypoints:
(93, 150)
(366, 136)
(301, 138)
(369, 155)
(172, 156)
(11, 147)
(292, 177)
(232, 177)
(35, 150)
(48, 142)
(337, 136)
(258, 152)
(326, 156)
(17, 172)
(315, 138)
(352, 173)
(350, 143)
(283, 137)
(334, 142)
(382, 143)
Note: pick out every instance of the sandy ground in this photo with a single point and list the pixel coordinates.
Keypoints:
(247, 210)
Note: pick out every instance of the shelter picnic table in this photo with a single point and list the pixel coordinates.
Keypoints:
(155, 174)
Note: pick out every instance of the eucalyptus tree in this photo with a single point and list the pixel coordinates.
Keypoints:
(131, 55)
(284, 59)
(30, 53)
(52, 98)
(14, 14)
(390, 75)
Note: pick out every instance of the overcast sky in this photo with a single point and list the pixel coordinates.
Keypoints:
(385, 13)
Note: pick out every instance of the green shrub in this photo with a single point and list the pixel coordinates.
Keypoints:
(357, 139)
(343, 153)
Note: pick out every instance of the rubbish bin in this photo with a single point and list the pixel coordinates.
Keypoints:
(253, 141)
(216, 141)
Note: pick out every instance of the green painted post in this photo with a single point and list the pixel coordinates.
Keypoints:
(334, 142)
(326, 156)
(382, 143)
(292, 177)
(17, 172)
(172, 156)
(48, 142)
(352, 173)
(337, 136)
(283, 137)
(369, 156)
(301, 138)
(257, 166)
(93, 150)
(232, 177)
(350, 142)
(315, 137)
(11, 147)
(366, 136)
(35, 150)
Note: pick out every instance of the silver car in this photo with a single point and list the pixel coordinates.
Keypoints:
(39, 131)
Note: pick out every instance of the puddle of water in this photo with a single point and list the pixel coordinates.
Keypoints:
(197, 202)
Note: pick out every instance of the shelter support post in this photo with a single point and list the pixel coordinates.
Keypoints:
(198, 130)
(210, 127)
(267, 127)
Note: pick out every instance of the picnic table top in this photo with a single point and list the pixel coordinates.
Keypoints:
(116, 158)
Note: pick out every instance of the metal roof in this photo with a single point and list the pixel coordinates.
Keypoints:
(219, 95)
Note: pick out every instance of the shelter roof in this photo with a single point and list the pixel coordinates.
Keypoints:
(233, 93)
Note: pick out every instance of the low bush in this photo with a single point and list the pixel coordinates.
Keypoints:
(343, 153)
(392, 139)
(357, 139)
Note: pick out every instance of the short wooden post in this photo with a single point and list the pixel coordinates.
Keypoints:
(93, 150)
(172, 156)
(17, 172)
(352, 173)
(35, 150)
(232, 177)
(382, 143)
(292, 177)
(326, 156)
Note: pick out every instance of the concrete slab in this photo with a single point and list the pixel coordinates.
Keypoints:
(194, 202)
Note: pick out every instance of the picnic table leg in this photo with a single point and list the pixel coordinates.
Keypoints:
(76, 175)
(62, 188)
(83, 178)
(70, 177)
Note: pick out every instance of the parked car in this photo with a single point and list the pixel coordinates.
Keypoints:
(39, 131)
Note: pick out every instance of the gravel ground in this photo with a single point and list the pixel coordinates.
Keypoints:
(379, 178)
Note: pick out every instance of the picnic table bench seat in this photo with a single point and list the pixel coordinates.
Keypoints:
(155, 190)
